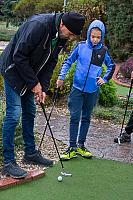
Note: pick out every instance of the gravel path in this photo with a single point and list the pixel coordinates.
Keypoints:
(99, 139)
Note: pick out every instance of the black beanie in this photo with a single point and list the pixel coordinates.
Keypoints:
(74, 22)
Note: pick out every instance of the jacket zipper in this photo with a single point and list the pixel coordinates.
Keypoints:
(87, 73)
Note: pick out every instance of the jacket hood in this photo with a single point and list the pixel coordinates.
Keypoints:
(96, 24)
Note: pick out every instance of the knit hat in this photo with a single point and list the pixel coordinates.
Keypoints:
(74, 22)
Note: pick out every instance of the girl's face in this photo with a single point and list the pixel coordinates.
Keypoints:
(95, 36)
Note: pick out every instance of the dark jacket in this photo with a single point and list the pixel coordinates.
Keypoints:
(28, 58)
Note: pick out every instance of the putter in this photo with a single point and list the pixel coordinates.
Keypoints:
(63, 173)
(54, 101)
(119, 141)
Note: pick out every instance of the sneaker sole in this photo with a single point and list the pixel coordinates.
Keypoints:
(66, 159)
(85, 156)
(34, 163)
(12, 176)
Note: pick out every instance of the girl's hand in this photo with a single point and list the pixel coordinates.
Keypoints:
(100, 81)
(59, 83)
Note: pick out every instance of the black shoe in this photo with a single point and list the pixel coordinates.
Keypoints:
(37, 159)
(13, 170)
(124, 137)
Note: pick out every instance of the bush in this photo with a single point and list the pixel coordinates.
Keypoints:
(68, 80)
(107, 92)
(114, 114)
(108, 95)
(127, 67)
(56, 73)
(119, 29)
(4, 37)
(1, 83)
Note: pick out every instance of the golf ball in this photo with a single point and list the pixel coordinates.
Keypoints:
(59, 178)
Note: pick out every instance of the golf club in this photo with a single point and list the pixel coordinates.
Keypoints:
(119, 141)
(63, 172)
(54, 101)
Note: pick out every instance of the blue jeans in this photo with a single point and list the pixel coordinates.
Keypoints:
(80, 105)
(14, 105)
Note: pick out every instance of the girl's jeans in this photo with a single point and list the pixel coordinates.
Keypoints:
(80, 105)
(14, 104)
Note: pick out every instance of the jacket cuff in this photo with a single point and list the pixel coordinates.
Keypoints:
(30, 86)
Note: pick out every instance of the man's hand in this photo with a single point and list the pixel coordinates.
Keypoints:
(38, 100)
(39, 95)
(132, 75)
(59, 83)
(100, 81)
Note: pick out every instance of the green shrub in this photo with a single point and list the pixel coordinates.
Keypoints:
(1, 83)
(119, 29)
(114, 114)
(107, 92)
(68, 80)
(56, 73)
(108, 95)
(5, 37)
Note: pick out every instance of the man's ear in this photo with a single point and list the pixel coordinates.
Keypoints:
(61, 24)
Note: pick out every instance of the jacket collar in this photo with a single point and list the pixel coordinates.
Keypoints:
(55, 24)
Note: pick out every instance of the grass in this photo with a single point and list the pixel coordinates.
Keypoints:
(122, 91)
(3, 26)
(6, 33)
(94, 179)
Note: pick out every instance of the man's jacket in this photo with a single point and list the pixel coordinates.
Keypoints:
(29, 59)
(89, 62)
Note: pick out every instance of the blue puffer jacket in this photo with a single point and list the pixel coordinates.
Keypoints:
(89, 62)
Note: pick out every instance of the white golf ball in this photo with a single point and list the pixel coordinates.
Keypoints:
(59, 178)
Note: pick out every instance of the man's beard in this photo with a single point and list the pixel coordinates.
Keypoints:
(61, 35)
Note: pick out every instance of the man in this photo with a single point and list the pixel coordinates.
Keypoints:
(126, 135)
(27, 65)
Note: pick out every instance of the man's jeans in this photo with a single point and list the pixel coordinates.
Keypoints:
(80, 105)
(14, 104)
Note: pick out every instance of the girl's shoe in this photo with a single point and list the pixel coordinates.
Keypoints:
(81, 150)
(69, 154)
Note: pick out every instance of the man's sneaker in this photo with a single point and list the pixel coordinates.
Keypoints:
(37, 159)
(124, 137)
(81, 150)
(13, 170)
(69, 154)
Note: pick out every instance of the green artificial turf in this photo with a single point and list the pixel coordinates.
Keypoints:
(94, 179)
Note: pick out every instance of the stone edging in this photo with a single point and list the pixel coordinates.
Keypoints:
(7, 182)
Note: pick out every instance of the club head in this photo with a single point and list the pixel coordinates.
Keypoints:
(119, 141)
(65, 174)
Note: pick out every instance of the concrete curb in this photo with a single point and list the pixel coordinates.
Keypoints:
(8, 181)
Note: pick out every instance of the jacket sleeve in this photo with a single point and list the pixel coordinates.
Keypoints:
(29, 37)
(67, 63)
(110, 67)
